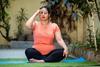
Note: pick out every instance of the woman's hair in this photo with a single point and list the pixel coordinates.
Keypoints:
(46, 8)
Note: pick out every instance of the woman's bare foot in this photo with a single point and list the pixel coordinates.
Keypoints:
(35, 60)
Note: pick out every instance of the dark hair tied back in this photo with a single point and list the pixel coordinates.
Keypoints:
(46, 8)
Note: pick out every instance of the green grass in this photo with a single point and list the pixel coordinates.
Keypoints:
(81, 64)
(48, 65)
(60, 64)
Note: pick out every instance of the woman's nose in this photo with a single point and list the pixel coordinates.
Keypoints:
(43, 13)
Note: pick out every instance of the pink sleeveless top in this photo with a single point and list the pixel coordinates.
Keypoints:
(43, 37)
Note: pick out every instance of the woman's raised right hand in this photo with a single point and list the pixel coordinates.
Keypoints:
(37, 12)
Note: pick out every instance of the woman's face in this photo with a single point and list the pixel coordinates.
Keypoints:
(44, 14)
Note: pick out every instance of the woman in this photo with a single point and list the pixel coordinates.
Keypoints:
(44, 31)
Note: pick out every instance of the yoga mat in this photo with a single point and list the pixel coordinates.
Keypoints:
(13, 62)
(80, 59)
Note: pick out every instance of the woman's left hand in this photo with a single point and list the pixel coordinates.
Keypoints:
(65, 53)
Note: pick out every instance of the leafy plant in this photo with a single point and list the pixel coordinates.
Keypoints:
(98, 39)
(98, 9)
(4, 19)
(20, 19)
(90, 41)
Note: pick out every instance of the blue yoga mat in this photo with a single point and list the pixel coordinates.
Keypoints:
(80, 59)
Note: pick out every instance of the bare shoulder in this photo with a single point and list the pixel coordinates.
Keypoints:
(55, 24)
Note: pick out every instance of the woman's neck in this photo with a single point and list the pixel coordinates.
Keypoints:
(45, 22)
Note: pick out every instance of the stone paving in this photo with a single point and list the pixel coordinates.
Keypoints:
(12, 53)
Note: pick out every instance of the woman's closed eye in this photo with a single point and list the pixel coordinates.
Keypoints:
(43, 12)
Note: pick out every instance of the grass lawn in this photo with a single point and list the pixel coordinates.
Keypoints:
(60, 64)
(86, 64)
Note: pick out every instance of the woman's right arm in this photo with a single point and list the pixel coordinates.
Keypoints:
(31, 20)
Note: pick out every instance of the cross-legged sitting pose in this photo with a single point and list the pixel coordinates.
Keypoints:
(44, 32)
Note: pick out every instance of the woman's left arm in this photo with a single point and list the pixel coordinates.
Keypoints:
(61, 41)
